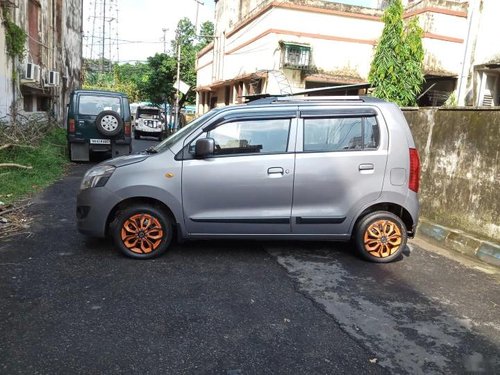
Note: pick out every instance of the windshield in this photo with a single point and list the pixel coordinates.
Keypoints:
(148, 113)
(174, 138)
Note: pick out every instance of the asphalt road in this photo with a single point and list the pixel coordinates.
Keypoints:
(71, 304)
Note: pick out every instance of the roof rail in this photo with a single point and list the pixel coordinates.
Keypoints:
(340, 99)
(315, 99)
(259, 99)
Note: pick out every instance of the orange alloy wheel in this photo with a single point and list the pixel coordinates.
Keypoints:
(141, 233)
(382, 238)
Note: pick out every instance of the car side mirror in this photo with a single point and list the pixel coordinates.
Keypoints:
(204, 147)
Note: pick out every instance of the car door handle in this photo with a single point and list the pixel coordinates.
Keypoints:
(366, 167)
(275, 171)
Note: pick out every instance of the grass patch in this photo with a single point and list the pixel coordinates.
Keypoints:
(48, 160)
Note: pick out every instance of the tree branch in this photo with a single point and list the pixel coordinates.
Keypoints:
(14, 165)
(3, 147)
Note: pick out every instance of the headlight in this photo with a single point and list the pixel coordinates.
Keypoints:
(97, 176)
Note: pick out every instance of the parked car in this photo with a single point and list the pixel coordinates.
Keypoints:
(98, 121)
(341, 168)
(149, 122)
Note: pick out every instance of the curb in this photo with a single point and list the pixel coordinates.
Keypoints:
(461, 242)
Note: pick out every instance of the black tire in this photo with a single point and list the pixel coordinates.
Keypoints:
(136, 242)
(160, 137)
(109, 123)
(380, 237)
(136, 135)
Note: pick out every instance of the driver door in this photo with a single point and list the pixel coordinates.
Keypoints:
(246, 186)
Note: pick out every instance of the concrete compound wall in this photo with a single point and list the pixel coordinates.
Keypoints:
(460, 155)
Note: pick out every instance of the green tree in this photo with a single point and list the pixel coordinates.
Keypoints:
(190, 44)
(154, 80)
(159, 79)
(396, 71)
(124, 78)
(206, 35)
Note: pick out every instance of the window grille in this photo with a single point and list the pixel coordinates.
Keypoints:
(296, 56)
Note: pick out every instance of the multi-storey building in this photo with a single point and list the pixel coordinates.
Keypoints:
(267, 46)
(51, 66)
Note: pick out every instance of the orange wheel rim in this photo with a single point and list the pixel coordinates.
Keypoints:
(142, 233)
(382, 238)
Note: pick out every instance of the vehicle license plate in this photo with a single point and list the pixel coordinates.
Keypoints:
(100, 141)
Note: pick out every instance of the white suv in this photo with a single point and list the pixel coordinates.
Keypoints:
(148, 122)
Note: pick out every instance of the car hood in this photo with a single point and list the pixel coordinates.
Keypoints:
(126, 160)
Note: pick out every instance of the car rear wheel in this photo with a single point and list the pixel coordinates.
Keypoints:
(109, 123)
(380, 237)
(142, 232)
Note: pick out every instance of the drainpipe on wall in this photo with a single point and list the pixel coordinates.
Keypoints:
(13, 109)
(13, 106)
(462, 87)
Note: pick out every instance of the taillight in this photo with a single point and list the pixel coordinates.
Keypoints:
(414, 182)
(127, 128)
(71, 125)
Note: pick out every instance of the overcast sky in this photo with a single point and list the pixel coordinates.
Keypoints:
(138, 33)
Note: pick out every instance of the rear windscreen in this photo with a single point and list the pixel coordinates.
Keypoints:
(93, 105)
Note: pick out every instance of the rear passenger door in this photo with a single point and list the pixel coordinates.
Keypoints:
(340, 165)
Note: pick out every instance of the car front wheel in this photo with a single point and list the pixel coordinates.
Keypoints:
(142, 231)
(380, 237)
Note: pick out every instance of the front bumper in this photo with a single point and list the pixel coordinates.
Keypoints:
(148, 130)
(93, 207)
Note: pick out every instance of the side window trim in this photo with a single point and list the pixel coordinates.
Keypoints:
(335, 113)
(276, 115)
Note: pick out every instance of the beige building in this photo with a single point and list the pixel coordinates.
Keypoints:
(266, 46)
(51, 67)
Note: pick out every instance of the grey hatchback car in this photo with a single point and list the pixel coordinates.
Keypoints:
(311, 168)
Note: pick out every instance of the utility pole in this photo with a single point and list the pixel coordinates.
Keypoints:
(198, 3)
(164, 40)
(103, 34)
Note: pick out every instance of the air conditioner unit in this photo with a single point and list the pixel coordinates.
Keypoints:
(53, 78)
(32, 72)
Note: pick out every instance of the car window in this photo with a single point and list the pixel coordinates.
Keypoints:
(251, 137)
(126, 113)
(371, 133)
(93, 105)
(339, 134)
